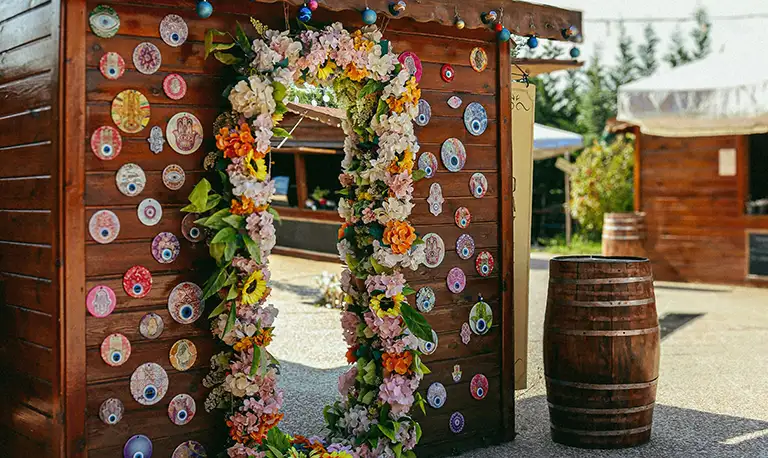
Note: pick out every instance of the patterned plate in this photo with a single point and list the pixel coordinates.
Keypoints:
(185, 303)
(104, 226)
(428, 347)
(481, 318)
(151, 326)
(484, 264)
(184, 133)
(428, 164)
(173, 30)
(436, 395)
(190, 230)
(150, 212)
(130, 180)
(435, 199)
(174, 86)
(478, 185)
(106, 143)
(412, 63)
(147, 58)
(137, 282)
(457, 422)
(434, 250)
(462, 217)
(454, 102)
(425, 299)
(425, 113)
(104, 21)
(100, 301)
(174, 177)
(115, 349)
(478, 59)
(149, 383)
(183, 355)
(130, 111)
(465, 246)
(138, 446)
(479, 387)
(111, 411)
(189, 449)
(454, 154)
(456, 280)
(475, 119)
(165, 248)
(182, 409)
(112, 65)
(447, 73)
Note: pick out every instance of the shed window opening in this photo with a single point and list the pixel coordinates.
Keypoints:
(757, 175)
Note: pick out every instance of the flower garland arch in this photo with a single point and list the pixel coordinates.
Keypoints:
(377, 243)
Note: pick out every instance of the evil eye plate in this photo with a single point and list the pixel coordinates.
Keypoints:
(425, 299)
(481, 318)
(185, 303)
(435, 199)
(138, 446)
(174, 86)
(457, 422)
(137, 282)
(149, 383)
(115, 349)
(434, 250)
(428, 347)
(484, 264)
(147, 58)
(453, 154)
(165, 248)
(465, 246)
(106, 143)
(111, 411)
(478, 387)
(174, 177)
(100, 301)
(190, 230)
(456, 280)
(104, 21)
(112, 65)
(181, 409)
(151, 326)
(190, 449)
(436, 395)
(447, 73)
(462, 217)
(183, 355)
(425, 113)
(130, 180)
(150, 212)
(475, 119)
(478, 59)
(104, 226)
(428, 164)
(412, 63)
(173, 30)
(478, 185)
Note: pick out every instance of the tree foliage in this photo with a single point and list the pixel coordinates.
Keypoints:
(647, 52)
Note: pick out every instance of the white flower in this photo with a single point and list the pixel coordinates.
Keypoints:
(396, 209)
(345, 209)
(239, 385)
(243, 99)
(344, 248)
(266, 58)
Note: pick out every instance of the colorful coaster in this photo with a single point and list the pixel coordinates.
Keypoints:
(435, 199)
(484, 263)
(434, 250)
(137, 282)
(465, 246)
(475, 119)
(151, 326)
(428, 347)
(412, 63)
(156, 140)
(425, 113)
(173, 30)
(130, 111)
(190, 449)
(181, 409)
(184, 133)
(130, 180)
(106, 143)
(425, 299)
(138, 446)
(479, 387)
(447, 73)
(481, 318)
(104, 21)
(454, 154)
(462, 217)
(478, 185)
(104, 226)
(457, 422)
(190, 230)
(112, 65)
(436, 395)
(478, 59)
(428, 164)
(150, 212)
(115, 349)
(185, 303)
(456, 280)
(149, 383)
(174, 177)
(165, 248)
(183, 355)
(174, 86)
(111, 411)
(100, 301)
(454, 102)
(147, 58)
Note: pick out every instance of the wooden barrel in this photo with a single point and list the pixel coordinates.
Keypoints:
(601, 351)
(624, 234)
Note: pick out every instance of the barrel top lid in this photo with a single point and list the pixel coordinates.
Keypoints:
(599, 259)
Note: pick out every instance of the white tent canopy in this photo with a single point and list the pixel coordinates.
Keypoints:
(549, 142)
(726, 93)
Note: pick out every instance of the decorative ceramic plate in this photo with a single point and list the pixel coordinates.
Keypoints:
(182, 409)
(428, 164)
(138, 446)
(412, 63)
(190, 230)
(147, 58)
(104, 21)
(130, 180)
(173, 30)
(174, 177)
(174, 86)
(106, 143)
(189, 449)
(115, 349)
(456, 280)
(149, 383)
(185, 303)
(479, 387)
(447, 73)
(137, 281)
(428, 347)
(465, 246)
(434, 250)
(425, 113)
(150, 212)
(475, 119)
(425, 299)
(100, 301)
(130, 111)
(481, 318)
(466, 333)
(454, 102)
(151, 326)
(156, 139)
(484, 263)
(462, 217)
(478, 59)
(478, 185)
(104, 226)
(436, 395)
(454, 154)
(111, 411)
(112, 65)
(183, 355)
(184, 133)
(435, 199)
(457, 422)
(165, 248)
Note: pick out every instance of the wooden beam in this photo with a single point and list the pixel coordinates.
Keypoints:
(638, 159)
(533, 67)
(301, 179)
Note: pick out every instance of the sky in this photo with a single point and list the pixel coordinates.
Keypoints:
(602, 37)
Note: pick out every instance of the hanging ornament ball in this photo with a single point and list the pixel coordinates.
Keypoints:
(305, 14)
(504, 34)
(571, 32)
(489, 17)
(498, 26)
(397, 8)
(204, 9)
(575, 52)
(369, 16)
(460, 24)
(312, 4)
(533, 42)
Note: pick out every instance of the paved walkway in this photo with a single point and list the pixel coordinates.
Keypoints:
(712, 396)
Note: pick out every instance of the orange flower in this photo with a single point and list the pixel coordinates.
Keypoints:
(404, 165)
(243, 344)
(400, 363)
(356, 74)
(342, 230)
(399, 235)
(266, 422)
(264, 338)
(351, 356)
(245, 208)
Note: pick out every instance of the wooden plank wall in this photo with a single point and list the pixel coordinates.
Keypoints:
(695, 218)
(29, 56)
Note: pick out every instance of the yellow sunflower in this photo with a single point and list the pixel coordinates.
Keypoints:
(383, 306)
(260, 171)
(254, 288)
(326, 71)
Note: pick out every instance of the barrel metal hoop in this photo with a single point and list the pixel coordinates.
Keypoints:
(617, 432)
(603, 386)
(627, 410)
(632, 303)
(590, 333)
(624, 237)
(599, 281)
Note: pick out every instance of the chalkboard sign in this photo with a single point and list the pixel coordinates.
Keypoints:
(757, 254)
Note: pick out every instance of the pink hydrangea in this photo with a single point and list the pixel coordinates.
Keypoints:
(346, 179)
(387, 327)
(392, 285)
(241, 451)
(347, 381)
(401, 185)
(397, 391)
(349, 322)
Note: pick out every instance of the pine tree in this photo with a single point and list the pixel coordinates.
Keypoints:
(626, 67)
(678, 52)
(700, 34)
(646, 52)
(598, 103)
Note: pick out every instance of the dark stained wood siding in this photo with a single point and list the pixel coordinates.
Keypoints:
(28, 284)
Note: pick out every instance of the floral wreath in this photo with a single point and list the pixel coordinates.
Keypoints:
(376, 241)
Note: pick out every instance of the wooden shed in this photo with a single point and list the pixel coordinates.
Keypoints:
(52, 371)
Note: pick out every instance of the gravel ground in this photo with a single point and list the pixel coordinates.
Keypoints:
(712, 398)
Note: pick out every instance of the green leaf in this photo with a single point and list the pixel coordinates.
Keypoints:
(226, 235)
(233, 293)
(212, 202)
(387, 432)
(418, 241)
(418, 174)
(278, 439)
(231, 319)
(419, 401)
(279, 132)
(215, 221)
(280, 109)
(253, 248)
(417, 428)
(381, 108)
(230, 249)
(217, 251)
(210, 46)
(407, 290)
(371, 87)
(416, 323)
(398, 449)
(274, 213)
(226, 58)
(215, 283)
(279, 92)
(377, 267)
(256, 361)
(409, 454)
(219, 309)
(199, 196)
(277, 453)
(242, 38)
(236, 221)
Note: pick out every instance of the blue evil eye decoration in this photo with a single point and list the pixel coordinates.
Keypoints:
(457, 422)
(428, 164)
(204, 10)
(436, 395)
(465, 246)
(186, 312)
(425, 299)
(111, 411)
(428, 347)
(138, 446)
(425, 113)
(138, 289)
(104, 21)
(369, 16)
(305, 14)
(150, 392)
(475, 119)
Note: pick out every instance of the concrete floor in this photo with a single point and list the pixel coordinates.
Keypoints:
(712, 398)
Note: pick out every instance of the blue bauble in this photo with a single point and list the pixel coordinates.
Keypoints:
(204, 9)
(305, 14)
(505, 34)
(533, 42)
(369, 16)
(575, 52)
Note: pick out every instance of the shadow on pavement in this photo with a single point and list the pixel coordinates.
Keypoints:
(539, 264)
(304, 291)
(671, 322)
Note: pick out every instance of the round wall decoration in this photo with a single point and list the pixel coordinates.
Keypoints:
(111, 411)
(412, 63)
(189, 449)
(115, 349)
(104, 21)
(184, 133)
(106, 143)
(137, 282)
(478, 59)
(425, 299)
(112, 65)
(436, 395)
(100, 301)
(484, 263)
(462, 217)
(150, 212)
(183, 355)
(475, 119)
(457, 422)
(427, 347)
(425, 113)
(151, 326)
(165, 248)
(428, 164)
(181, 409)
(149, 383)
(456, 280)
(190, 230)
(478, 185)
(156, 139)
(174, 177)
(174, 86)
(173, 30)
(138, 446)
(130, 111)
(448, 74)
(454, 154)
(465, 246)
(481, 318)
(479, 387)
(104, 226)
(185, 303)
(434, 250)
(147, 58)
(130, 180)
